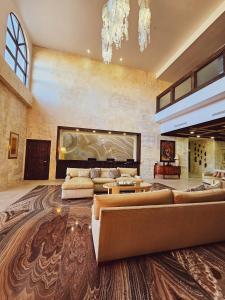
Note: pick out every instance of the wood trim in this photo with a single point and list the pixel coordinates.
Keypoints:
(193, 75)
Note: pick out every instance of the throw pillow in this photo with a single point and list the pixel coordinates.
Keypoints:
(213, 186)
(125, 175)
(114, 173)
(95, 173)
(83, 172)
(200, 187)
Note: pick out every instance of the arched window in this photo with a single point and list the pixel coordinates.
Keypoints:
(16, 48)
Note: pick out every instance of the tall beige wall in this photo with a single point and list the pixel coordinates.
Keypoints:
(13, 117)
(14, 102)
(75, 91)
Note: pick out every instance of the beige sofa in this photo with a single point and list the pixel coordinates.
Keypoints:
(79, 184)
(214, 177)
(128, 225)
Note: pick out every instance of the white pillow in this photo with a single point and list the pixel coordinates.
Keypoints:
(125, 175)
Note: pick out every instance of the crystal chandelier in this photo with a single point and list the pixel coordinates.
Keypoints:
(115, 25)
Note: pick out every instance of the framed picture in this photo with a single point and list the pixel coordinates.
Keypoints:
(13, 145)
(167, 151)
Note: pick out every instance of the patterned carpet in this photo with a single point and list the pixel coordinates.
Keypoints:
(46, 252)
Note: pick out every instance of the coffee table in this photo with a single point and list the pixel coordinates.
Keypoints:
(113, 188)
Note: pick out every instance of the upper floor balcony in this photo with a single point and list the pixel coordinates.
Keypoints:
(205, 74)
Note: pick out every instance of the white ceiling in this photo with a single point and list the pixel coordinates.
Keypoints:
(75, 25)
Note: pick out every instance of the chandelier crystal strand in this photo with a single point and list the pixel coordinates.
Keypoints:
(144, 24)
(115, 26)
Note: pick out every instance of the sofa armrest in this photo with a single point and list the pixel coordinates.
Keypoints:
(67, 178)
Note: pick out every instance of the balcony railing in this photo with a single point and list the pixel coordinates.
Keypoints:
(209, 71)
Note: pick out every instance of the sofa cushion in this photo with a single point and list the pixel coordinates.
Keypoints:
(74, 172)
(132, 199)
(114, 173)
(94, 173)
(200, 196)
(105, 172)
(131, 171)
(84, 173)
(103, 180)
(78, 183)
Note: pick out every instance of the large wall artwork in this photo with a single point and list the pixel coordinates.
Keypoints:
(76, 144)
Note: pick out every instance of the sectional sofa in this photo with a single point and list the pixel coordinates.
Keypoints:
(82, 183)
(214, 177)
(128, 225)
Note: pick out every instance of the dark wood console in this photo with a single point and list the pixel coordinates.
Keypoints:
(62, 165)
(166, 170)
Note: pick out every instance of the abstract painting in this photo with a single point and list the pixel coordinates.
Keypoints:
(101, 146)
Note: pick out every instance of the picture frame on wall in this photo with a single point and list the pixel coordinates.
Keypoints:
(13, 145)
(167, 151)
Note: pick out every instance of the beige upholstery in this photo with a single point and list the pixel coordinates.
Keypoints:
(131, 199)
(103, 180)
(131, 171)
(200, 196)
(74, 172)
(105, 172)
(130, 231)
(78, 183)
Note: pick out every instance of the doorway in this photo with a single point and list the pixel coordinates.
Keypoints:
(37, 159)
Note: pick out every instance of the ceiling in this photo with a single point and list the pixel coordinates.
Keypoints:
(215, 129)
(75, 26)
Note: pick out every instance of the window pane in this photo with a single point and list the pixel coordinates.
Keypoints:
(23, 50)
(21, 37)
(9, 60)
(20, 74)
(15, 24)
(183, 88)
(210, 71)
(11, 44)
(9, 25)
(21, 61)
(164, 100)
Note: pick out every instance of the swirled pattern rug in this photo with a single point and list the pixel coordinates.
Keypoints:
(46, 252)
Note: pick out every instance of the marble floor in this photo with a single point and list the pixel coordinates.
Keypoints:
(11, 194)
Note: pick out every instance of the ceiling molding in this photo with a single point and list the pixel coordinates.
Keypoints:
(212, 18)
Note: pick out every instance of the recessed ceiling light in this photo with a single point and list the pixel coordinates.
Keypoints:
(88, 51)
(192, 132)
(121, 59)
(198, 136)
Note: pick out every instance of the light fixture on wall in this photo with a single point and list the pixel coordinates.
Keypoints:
(93, 131)
(212, 137)
(77, 129)
(115, 15)
(192, 132)
(88, 51)
(109, 132)
(198, 136)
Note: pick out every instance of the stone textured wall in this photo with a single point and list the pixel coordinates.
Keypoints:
(75, 91)
(13, 117)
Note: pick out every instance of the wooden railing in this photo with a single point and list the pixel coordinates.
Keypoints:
(206, 73)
